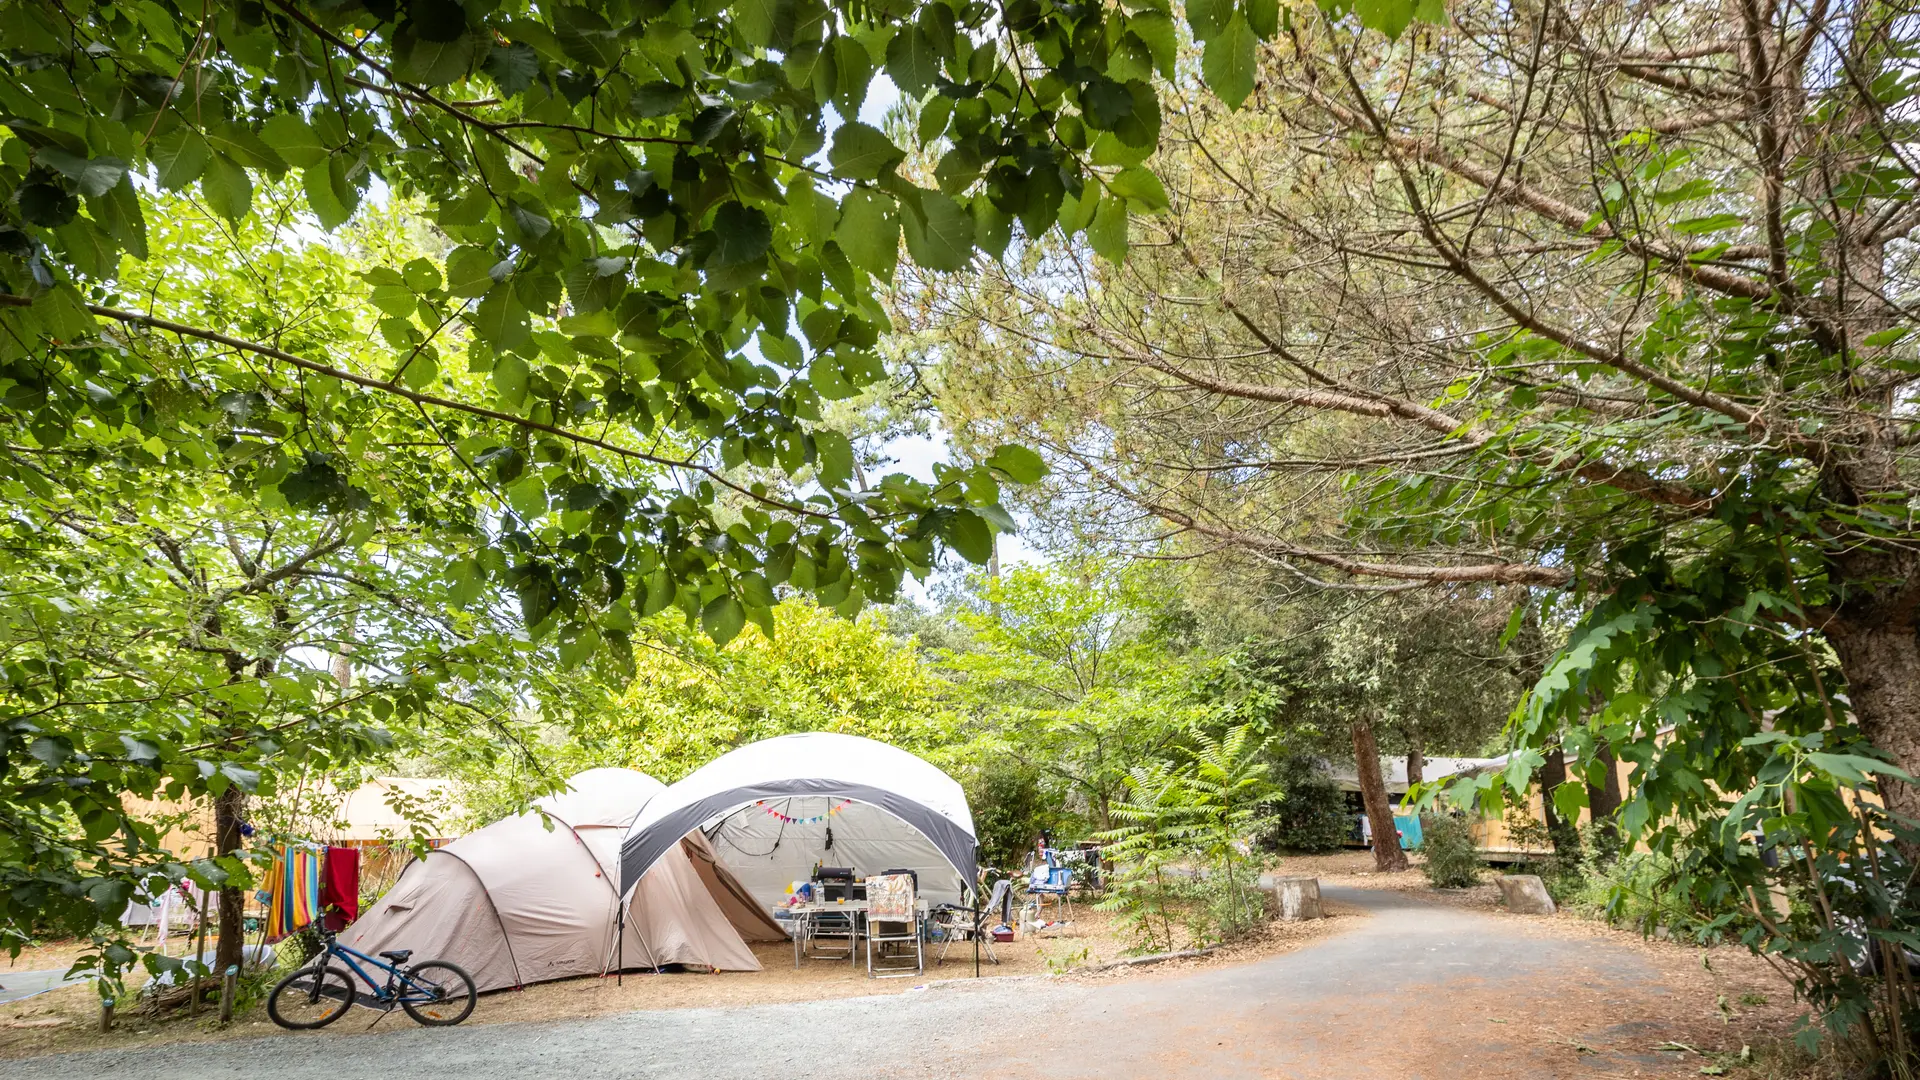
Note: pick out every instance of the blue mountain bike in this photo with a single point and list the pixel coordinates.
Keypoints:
(435, 993)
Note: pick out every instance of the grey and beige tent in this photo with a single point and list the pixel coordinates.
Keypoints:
(535, 897)
(774, 809)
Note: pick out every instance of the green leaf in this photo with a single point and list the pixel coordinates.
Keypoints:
(723, 618)
(586, 36)
(512, 68)
(869, 231)
(1853, 768)
(94, 177)
(913, 62)
(755, 20)
(1570, 799)
(1390, 17)
(945, 240)
(469, 271)
(835, 457)
(1020, 464)
(1228, 64)
(853, 73)
(1108, 233)
(501, 321)
(433, 63)
(181, 155)
(317, 181)
(969, 534)
(293, 140)
(245, 147)
(1156, 29)
(1208, 18)
(227, 188)
(1141, 186)
(744, 232)
(1264, 17)
(660, 592)
(861, 152)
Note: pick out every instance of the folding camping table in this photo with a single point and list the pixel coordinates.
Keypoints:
(802, 918)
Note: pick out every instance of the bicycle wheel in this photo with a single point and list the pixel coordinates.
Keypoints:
(438, 993)
(311, 997)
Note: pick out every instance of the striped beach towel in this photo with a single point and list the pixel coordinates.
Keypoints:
(294, 888)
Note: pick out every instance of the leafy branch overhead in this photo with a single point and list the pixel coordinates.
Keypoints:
(664, 237)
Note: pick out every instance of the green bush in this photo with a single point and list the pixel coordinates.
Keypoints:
(1447, 842)
(1310, 816)
(1644, 890)
(1010, 808)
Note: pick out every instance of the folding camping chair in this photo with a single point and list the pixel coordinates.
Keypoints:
(1046, 879)
(893, 917)
(963, 924)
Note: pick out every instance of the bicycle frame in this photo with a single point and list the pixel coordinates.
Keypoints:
(387, 994)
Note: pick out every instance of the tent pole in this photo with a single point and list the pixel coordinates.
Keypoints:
(620, 945)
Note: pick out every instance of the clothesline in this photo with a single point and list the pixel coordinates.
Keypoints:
(814, 820)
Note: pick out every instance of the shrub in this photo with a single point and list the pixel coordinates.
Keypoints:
(1643, 890)
(1010, 808)
(1447, 842)
(1310, 815)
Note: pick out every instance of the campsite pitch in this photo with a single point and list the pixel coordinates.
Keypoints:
(66, 1021)
(1462, 992)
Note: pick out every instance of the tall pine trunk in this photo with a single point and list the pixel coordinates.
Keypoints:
(1387, 855)
(1882, 666)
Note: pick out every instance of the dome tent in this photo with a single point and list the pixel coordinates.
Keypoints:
(774, 808)
(533, 897)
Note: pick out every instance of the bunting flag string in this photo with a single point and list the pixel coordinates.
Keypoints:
(814, 820)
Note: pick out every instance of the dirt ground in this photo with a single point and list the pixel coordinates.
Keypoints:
(67, 1020)
(1615, 1003)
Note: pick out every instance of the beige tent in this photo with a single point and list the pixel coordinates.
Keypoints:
(534, 897)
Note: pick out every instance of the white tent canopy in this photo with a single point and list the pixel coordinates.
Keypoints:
(532, 897)
(772, 808)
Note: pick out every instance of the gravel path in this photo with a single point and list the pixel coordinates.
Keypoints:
(1417, 990)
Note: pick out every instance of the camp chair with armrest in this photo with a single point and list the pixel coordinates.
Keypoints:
(1050, 879)
(965, 924)
(893, 917)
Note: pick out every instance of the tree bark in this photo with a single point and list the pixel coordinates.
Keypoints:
(226, 839)
(1387, 855)
(1416, 766)
(1566, 839)
(1882, 666)
(1603, 800)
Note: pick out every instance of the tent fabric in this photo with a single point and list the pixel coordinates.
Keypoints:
(768, 854)
(532, 897)
(747, 914)
(816, 766)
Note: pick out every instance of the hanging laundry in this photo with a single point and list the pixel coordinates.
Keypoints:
(340, 887)
(293, 887)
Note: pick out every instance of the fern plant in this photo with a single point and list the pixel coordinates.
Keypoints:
(1224, 788)
(1157, 829)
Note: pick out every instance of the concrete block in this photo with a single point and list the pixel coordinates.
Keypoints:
(1525, 894)
(1296, 898)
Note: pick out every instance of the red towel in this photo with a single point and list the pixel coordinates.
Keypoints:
(340, 886)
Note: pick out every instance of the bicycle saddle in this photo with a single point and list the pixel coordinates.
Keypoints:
(398, 956)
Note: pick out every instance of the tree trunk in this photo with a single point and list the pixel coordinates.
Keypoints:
(1387, 855)
(226, 839)
(1566, 839)
(1603, 801)
(1416, 766)
(1882, 666)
